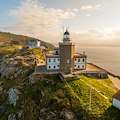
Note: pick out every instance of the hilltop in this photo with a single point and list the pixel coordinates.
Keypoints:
(49, 98)
(10, 38)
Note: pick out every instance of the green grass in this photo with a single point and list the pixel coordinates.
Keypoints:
(38, 53)
(103, 85)
(76, 96)
(82, 90)
(56, 95)
(8, 49)
(101, 107)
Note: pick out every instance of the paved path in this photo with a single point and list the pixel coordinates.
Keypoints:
(115, 81)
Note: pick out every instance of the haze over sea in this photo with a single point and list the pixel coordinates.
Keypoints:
(107, 57)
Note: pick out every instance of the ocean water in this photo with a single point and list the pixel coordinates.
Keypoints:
(103, 56)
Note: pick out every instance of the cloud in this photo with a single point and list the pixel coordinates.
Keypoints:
(88, 15)
(76, 10)
(90, 7)
(35, 19)
(96, 37)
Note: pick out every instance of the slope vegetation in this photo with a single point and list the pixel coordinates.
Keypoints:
(7, 38)
(52, 99)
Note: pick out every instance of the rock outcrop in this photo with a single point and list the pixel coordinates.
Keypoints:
(13, 96)
(17, 65)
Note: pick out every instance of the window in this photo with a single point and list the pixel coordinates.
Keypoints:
(78, 66)
(49, 60)
(54, 60)
(49, 66)
(58, 59)
(83, 66)
(79, 60)
(83, 60)
(74, 65)
(75, 59)
(58, 66)
(54, 67)
(68, 61)
(56, 52)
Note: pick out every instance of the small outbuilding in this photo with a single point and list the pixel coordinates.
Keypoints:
(34, 43)
(116, 100)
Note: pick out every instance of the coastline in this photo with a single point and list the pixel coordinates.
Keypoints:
(114, 78)
(110, 73)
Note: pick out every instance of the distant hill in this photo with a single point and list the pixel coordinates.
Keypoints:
(6, 38)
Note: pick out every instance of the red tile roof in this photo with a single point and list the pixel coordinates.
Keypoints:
(117, 95)
(78, 55)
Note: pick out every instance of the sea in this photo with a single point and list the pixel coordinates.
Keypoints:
(107, 57)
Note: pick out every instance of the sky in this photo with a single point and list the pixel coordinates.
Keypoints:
(89, 21)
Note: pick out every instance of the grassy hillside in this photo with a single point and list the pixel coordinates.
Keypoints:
(101, 97)
(48, 98)
(9, 49)
(74, 95)
(7, 38)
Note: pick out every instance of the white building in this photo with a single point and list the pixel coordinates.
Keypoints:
(64, 58)
(79, 61)
(116, 100)
(53, 62)
(34, 43)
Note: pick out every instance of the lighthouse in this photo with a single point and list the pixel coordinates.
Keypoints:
(67, 49)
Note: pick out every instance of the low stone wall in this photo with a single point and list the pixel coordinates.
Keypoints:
(96, 74)
(68, 77)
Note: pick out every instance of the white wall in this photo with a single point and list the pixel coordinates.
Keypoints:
(116, 103)
(79, 64)
(38, 43)
(34, 44)
(53, 63)
(56, 51)
(31, 44)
